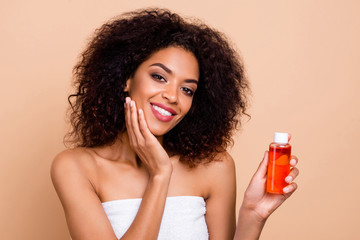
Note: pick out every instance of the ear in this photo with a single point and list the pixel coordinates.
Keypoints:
(127, 85)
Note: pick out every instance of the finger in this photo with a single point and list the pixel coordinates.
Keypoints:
(294, 160)
(128, 122)
(262, 169)
(143, 125)
(290, 189)
(292, 175)
(135, 122)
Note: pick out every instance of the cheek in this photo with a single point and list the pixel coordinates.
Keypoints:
(141, 91)
(137, 84)
(187, 106)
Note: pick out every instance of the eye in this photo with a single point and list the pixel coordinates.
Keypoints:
(188, 91)
(158, 77)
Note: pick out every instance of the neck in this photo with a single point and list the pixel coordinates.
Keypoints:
(121, 150)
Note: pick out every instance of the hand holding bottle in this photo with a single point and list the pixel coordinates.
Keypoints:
(261, 202)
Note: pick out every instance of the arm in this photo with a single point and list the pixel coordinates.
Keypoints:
(258, 205)
(83, 210)
(84, 213)
(147, 222)
(220, 204)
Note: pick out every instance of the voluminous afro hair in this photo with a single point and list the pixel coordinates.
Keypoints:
(121, 45)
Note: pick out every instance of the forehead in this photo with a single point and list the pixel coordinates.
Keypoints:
(177, 59)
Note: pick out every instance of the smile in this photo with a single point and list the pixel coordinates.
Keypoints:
(162, 113)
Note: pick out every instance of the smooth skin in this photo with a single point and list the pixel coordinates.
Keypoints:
(258, 204)
(86, 177)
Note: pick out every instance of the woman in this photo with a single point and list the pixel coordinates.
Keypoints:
(157, 100)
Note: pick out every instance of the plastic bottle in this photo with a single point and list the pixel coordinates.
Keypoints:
(279, 163)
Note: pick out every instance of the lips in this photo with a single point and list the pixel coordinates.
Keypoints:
(162, 112)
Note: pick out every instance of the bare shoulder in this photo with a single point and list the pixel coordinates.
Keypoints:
(72, 158)
(223, 163)
(70, 163)
(220, 195)
(72, 173)
(218, 175)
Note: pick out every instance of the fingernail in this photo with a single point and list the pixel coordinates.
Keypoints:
(293, 162)
(127, 99)
(286, 190)
(288, 179)
(132, 104)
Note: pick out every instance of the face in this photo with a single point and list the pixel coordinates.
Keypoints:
(163, 87)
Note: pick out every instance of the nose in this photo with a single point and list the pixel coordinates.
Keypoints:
(170, 93)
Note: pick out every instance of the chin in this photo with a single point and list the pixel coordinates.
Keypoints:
(159, 131)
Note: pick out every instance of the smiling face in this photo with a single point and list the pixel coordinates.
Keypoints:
(163, 86)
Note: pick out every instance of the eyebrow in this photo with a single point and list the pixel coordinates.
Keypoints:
(162, 66)
(166, 69)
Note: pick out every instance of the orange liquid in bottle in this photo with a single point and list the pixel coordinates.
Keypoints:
(278, 168)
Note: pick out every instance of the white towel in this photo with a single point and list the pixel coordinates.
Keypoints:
(183, 218)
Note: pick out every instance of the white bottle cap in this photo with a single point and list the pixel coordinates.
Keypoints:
(281, 137)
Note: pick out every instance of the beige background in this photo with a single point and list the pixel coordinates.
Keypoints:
(302, 58)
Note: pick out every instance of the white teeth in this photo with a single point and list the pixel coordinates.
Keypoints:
(161, 111)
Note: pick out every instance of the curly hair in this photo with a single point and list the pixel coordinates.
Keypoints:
(121, 45)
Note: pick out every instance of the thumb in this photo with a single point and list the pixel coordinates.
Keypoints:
(262, 169)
